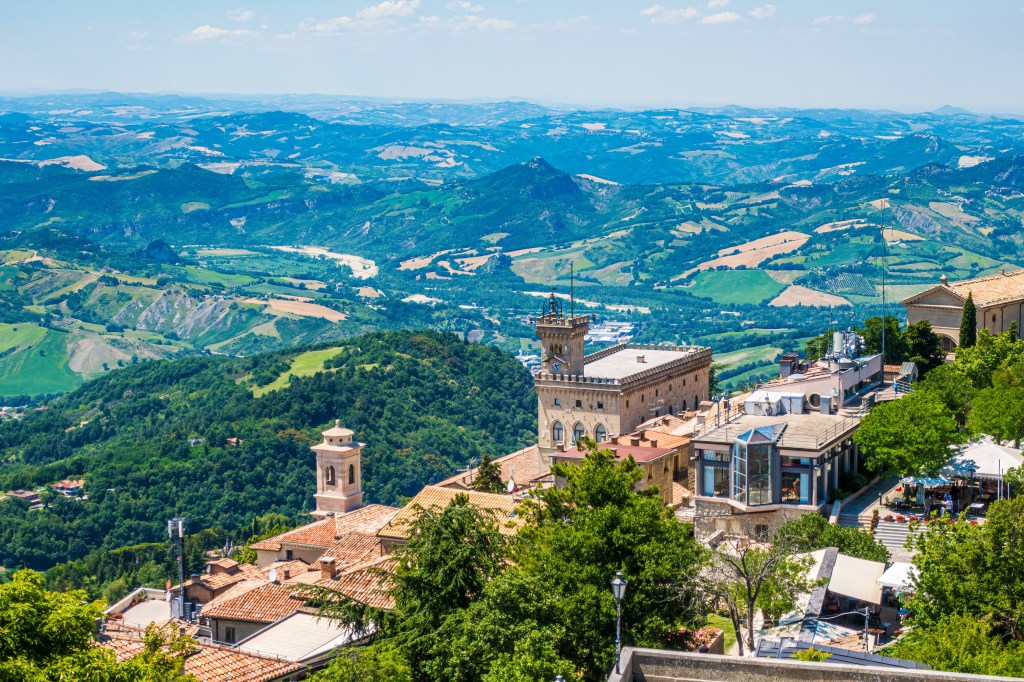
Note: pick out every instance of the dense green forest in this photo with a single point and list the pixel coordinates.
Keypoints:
(424, 402)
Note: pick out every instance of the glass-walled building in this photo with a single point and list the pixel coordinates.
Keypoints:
(761, 463)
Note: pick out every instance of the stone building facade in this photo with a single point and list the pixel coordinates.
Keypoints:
(999, 300)
(339, 487)
(614, 390)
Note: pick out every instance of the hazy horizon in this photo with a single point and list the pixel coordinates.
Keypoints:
(800, 54)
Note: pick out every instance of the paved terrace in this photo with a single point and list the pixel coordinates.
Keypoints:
(803, 431)
(621, 364)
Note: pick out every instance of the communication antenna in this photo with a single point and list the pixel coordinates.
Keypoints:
(176, 533)
(572, 290)
(882, 207)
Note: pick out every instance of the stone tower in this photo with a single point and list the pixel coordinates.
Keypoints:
(339, 486)
(562, 339)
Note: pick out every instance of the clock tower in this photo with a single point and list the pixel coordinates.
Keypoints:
(562, 339)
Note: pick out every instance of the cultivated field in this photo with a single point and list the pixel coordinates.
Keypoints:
(362, 268)
(302, 365)
(301, 308)
(753, 253)
(730, 287)
(797, 295)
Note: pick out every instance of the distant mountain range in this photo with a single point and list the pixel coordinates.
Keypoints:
(727, 217)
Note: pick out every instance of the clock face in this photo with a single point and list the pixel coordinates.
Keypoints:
(556, 366)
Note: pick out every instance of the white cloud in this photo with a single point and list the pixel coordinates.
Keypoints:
(241, 15)
(135, 35)
(860, 19)
(763, 12)
(721, 18)
(713, 4)
(388, 9)
(207, 32)
(464, 6)
(430, 21)
(332, 25)
(285, 36)
(660, 14)
(485, 23)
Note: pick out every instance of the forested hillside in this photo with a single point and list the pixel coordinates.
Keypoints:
(424, 402)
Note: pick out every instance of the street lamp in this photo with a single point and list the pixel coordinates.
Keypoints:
(619, 592)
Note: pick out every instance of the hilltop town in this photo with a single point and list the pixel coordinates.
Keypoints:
(800, 480)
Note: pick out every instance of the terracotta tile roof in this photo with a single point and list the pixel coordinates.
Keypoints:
(503, 506)
(681, 495)
(295, 567)
(223, 562)
(367, 584)
(324, 533)
(640, 453)
(524, 467)
(353, 549)
(219, 581)
(992, 289)
(264, 604)
(206, 662)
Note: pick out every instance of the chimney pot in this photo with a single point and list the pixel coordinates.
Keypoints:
(327, 568)
(287, 573)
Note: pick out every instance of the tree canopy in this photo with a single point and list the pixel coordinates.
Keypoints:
(909, 436)
(968, 323)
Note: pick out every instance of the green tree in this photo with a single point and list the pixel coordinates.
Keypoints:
(923, 346)
(999, 412)
(488, 476)
(960, 643)
(909, 436)
(991, 351)
(973, 570)
(817, 347)
(951, 385)
(895, 351)
(968, 323)
(450, 556)
(48, 636)
(812, 532)
(812, 655)
(375, 663)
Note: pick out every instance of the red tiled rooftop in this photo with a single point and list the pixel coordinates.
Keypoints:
(639, 453)
(267, 603)
(206, 662)
(326, 532)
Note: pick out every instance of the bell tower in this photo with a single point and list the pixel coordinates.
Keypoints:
(339, 485)
(562, 339)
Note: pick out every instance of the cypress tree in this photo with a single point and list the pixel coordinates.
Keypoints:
(969, 323)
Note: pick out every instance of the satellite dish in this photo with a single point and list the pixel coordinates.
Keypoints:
(511, 486)
(272, 575)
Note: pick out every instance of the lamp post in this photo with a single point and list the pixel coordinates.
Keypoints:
(618, 591)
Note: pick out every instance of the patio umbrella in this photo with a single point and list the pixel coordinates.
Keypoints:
(927, 481)
(960, 466)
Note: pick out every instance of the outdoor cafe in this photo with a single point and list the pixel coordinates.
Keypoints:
(970, 482)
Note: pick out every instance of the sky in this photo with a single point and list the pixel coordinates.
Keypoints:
(909, 55)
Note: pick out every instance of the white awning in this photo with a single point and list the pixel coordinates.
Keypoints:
(899, 576)
(857, 578)
(993, 460)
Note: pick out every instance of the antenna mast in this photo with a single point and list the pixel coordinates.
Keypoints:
(884, 258)
(572, 290)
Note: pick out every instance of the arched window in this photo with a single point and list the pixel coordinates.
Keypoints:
(600, 433)
(578, 432)
(351, 474)
(329, 476)
(557, 433)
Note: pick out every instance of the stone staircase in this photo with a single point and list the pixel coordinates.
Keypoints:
(853, 519)
(893, 534)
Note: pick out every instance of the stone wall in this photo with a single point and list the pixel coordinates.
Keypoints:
(656, 665)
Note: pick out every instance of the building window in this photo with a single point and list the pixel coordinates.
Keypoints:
(600, 404)
(752, 473)
(557, 432)
(713, 456)
(558, 402)
(656, 393)
(578, 432)
(600, 433)
(329, 478)
(627, 403)
(289, 555)
(351, 474)
(229, 635)
(716, 481)
(579, 403)
(796, 487)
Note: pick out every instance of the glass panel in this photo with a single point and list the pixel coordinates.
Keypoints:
(712, 456)
(716, 481)
(796, 487)
(578, 432)
(739, 483)
(759, 473)
(796, 462)
(600, 433)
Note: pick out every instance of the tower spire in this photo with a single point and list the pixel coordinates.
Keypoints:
(572, 290)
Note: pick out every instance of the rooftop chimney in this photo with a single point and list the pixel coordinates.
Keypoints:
(287, 573)
(641, 359)
(634, 441)
(327, 568)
